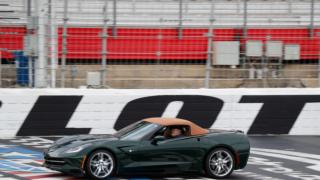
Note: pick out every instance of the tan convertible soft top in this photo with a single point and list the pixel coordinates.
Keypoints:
(194, 129)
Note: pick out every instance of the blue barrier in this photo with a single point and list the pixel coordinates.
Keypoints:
(22, 65)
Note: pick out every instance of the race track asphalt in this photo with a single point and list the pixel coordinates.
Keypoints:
(272, 157)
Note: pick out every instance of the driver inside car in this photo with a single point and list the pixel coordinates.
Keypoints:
(176, 133)
(173, 133)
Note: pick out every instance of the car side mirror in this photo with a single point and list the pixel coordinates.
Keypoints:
(156, 139)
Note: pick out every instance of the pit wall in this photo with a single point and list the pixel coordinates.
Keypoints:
(45, 112)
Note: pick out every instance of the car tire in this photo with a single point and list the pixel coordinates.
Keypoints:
(219, 163)
(100, 164)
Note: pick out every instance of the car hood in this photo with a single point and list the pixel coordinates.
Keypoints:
(74, 141)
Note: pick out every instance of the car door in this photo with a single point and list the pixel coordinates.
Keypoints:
(178, 154)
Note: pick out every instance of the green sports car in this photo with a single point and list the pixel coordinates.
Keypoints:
(154, 145)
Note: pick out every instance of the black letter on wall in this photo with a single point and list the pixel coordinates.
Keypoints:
(202, 110)
(278, 113)
(50, 115)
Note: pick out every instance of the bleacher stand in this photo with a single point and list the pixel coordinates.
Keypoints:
(174, 37)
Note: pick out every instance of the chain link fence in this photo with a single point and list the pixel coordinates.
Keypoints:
(159, 43)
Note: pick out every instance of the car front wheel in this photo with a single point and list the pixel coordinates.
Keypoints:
(100, 165)
(219, 163)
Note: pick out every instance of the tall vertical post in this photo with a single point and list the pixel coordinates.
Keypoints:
(104, 44)
(159, 40)
(29, 33)
(41, 63)
(290, 6)
(264, 63)
(53, 43)
(114, 29)
(312, 19)
(209, 48)
(64, 43)
(0, 68)
(180, 19)
(245, 18)
(245, 30)
(28, 9)
(158, 52)
(318, 34)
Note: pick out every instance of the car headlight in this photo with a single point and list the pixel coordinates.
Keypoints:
(77, 149)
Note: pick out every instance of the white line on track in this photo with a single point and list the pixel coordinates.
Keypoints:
(316, 163)
(299, 154)
(6, 178)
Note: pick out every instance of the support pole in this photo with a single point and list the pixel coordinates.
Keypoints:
(245, 18)
(209, 48)
(114, 29)
(0, 68)
(312, 19)
(318, 34)
(29, 34)
(180, 19)
(41, 63)
(64, 43)
(104, 44)
(245, 31)
(264, 63)
(53, 43)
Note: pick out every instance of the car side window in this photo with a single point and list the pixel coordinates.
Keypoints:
(140, 132)
(170, 132)
(160, 132)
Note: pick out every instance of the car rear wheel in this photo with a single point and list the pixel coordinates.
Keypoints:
(100, 165)
(219, 163)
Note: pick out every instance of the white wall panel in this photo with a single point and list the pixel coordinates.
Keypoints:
(99, 110)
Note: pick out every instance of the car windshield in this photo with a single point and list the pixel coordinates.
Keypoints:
(137, 131)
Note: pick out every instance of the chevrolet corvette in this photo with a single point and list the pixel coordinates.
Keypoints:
(154, 145)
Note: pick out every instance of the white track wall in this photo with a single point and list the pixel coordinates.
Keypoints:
(254, 111)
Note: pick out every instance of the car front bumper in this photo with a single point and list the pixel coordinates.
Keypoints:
(67, 165)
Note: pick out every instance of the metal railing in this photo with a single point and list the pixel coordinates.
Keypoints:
(159, 44)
